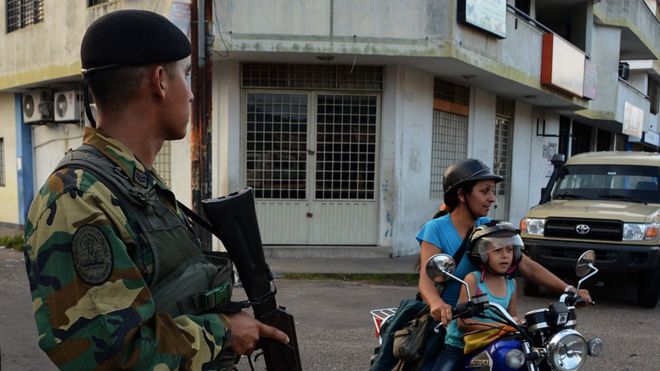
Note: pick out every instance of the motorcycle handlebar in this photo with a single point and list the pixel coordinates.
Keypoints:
(572, 299)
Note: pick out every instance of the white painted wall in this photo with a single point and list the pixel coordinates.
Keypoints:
(389, 132)
(50, 143)
(540, 168)
(227, 138)
(639, 80)
(9, 191)
(413, 116)
(481, 134)
(521, 161)
(606, 58)
(181, 170)
(51, 49)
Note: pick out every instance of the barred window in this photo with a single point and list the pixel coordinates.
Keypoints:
(450, 92)
(450, 137)
(450, 129)
(346, 146)
(22, 13)
(2, 162)
(163, 161)
(312, 76)
(277, 145)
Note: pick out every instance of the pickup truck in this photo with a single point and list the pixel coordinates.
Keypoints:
(608, 202)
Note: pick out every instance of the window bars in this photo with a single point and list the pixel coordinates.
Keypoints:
(22, 13)
(449, 144)
(163, 162)
(311, 76)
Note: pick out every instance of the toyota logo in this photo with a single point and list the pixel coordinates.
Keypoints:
(582, 229)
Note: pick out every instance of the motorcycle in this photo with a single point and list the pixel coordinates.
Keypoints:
(545, 340)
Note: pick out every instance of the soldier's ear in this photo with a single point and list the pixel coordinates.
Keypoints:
(157, 81)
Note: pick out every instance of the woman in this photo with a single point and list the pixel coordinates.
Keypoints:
(469, 192)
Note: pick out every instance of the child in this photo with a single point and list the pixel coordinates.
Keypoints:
(496, 249)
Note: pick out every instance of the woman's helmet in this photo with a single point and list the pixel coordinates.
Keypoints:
(466, 171)
(491, 236)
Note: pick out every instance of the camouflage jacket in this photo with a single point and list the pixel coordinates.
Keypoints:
(87, 320)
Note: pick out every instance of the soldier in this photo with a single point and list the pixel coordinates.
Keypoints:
(110, 258)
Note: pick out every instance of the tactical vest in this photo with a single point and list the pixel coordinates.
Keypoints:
(184, 280)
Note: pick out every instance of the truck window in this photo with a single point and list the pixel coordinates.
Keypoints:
(629, 183)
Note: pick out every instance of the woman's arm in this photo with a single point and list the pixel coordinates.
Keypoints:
(440, 310)
(537, 273)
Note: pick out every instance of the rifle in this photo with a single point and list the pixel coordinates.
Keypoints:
(234, 221)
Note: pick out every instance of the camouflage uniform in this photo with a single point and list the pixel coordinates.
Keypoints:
(104, 317)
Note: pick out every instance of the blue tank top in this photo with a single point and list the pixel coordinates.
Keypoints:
(454, 335)
(442, 233)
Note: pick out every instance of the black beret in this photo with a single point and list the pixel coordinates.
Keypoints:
(132, 37)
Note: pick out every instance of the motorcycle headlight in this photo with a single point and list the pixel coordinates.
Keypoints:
(567, 350)
(533, 226)
(638, 231)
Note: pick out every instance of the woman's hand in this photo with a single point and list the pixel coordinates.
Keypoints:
(442, 312)
(582, 293)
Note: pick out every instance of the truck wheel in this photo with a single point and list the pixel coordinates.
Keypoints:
(531, 289)
(648, 290)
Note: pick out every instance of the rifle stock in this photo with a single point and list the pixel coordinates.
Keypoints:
(234, 222)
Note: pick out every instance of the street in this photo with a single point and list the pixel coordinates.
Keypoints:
(334, 326)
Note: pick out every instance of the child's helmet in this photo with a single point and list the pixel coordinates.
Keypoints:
(494, 235)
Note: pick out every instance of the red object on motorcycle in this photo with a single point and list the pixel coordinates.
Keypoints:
(379, 317)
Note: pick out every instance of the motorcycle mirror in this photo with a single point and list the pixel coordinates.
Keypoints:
(439, 266)
(585, 263)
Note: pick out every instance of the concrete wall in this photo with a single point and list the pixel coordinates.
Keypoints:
(521, 161)
(322, 26)
(540, 167)
(606, 59)
(50, 143)
(504, 57)
(481, 134)
(407, 123)
(181, 170)
(628, 94)
(639, 80)
(227, 139)
(51, 49)
(9, 192)
(634, 15)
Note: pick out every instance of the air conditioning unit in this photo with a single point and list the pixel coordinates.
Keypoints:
(67, 106)
(37, 107)
(624, 70)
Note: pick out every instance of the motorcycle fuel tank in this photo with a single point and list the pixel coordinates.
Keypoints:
(493, 357)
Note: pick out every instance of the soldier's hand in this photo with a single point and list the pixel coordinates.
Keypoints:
(246, 331)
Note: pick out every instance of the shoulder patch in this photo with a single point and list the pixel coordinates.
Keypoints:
(92, 255)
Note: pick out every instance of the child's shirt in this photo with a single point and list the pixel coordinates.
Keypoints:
(442, 233)
(454, 335)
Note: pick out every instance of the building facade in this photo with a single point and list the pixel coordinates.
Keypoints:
(343, 115)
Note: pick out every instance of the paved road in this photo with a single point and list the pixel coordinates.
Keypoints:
(334, 326)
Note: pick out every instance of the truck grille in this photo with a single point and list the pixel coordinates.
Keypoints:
(606, 230)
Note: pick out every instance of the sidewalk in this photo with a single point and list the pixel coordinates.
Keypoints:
(361, 261)
(379, 265)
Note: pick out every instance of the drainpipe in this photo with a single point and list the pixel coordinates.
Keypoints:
(200, 133)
